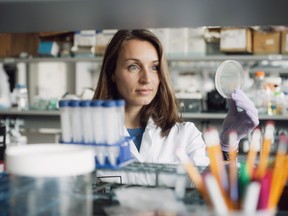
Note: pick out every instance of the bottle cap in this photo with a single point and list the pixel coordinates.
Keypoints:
(85, 103)
(96, 103)
(109, 103)
(64, 103)
(74, 103)
(260, 73)
(120, 102)
(229, 76)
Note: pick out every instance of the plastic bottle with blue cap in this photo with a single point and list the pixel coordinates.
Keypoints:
(77, 135)
(65, 121)
(87, 127)
(98, 130)
(121, 114)
(110, 129)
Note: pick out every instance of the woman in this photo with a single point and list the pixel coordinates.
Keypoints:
(134, 69)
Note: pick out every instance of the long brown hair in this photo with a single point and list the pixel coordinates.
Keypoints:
(164, 108)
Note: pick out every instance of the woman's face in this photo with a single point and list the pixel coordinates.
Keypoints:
(136, 74)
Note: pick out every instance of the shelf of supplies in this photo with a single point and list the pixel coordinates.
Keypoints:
(52, 59)
(199, 116)
(15, 112)
(170, 57)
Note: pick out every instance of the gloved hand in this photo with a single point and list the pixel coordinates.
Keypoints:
(243, 122)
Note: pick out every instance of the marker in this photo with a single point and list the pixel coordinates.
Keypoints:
(251, 197)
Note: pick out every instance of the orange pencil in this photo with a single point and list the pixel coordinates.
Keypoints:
(252, 153)
(266, 145)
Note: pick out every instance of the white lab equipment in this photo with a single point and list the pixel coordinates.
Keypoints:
(56, 177)
(120, 106)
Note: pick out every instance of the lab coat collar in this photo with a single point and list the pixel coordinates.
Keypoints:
(149, 128)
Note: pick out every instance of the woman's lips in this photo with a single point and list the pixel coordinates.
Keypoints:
(144, 91)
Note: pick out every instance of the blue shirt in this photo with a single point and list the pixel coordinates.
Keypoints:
(137, 133)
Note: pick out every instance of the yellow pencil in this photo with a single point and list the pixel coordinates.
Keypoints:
(252, 153)
(191, 170)
(217, 167)
(279, 172)
(233, 171)
(266, 145)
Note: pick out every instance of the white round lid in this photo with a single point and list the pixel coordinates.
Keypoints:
(229, 76)
(49, 160)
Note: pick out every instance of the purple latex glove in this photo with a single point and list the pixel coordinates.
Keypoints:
(243, 122)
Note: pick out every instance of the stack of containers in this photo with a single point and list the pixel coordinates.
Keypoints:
(98, 123)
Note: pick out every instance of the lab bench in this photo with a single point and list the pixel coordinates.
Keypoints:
(104, 201)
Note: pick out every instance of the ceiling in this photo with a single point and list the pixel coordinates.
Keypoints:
(71, 15)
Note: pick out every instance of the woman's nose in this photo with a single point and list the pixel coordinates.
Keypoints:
(145, 75)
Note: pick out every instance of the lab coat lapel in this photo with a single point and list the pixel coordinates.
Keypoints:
(133, 148)
(147, 141)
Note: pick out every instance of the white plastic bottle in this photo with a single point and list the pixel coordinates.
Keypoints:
(21, 94)
(259, 93)
(5, 96)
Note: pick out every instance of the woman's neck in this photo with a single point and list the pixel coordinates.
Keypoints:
(132, 117)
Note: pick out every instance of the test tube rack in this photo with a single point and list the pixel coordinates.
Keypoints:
(122, 147)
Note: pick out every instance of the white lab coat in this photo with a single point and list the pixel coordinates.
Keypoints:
(156, 149)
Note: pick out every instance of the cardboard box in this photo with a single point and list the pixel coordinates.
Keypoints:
(284, 43)
(266, 42)
(12, 45)
(236, 40)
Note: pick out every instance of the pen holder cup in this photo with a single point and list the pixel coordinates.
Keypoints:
(49, 179)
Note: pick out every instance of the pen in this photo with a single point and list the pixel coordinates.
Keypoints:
(252, 153)
(266, 145)
(215, 195)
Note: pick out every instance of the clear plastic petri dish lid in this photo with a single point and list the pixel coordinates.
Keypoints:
(229, 76)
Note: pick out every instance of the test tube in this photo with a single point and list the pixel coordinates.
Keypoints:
(76, 121)
(87, 128)
(111, 130)
(65, 121)
(121, 116)
(98, 130)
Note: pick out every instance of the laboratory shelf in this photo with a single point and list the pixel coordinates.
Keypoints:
(223, 115)
(15, 112)
(170, 57)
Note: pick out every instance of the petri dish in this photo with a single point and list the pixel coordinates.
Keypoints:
(229, 76)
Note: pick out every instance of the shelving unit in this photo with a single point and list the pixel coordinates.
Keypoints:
(51, 119)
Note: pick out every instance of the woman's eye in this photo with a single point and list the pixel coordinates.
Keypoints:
(133, 68)
(155, 68)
